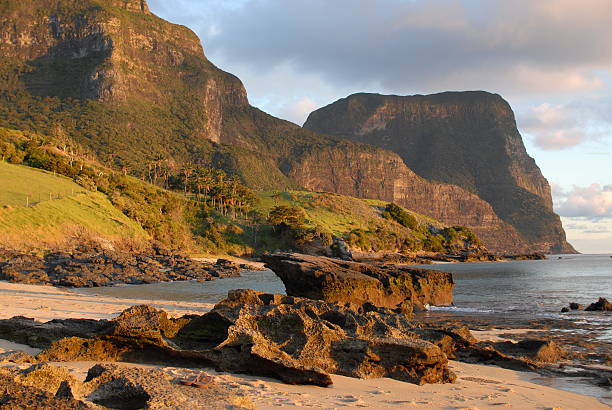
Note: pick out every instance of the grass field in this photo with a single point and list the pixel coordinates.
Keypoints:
(71, 211)
(336, 213)
(21, 185)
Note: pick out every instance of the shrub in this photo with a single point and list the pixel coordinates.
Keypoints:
(400, 216)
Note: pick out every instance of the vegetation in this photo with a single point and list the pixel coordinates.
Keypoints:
(56, 211)
(203, 210)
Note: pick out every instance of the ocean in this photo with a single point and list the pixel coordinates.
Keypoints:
(506, 294)
(518, 288)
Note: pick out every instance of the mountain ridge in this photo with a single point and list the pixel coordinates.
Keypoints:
(139, 92)
(467, 138)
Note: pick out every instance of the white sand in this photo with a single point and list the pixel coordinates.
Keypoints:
(478, 386)
(45, 303)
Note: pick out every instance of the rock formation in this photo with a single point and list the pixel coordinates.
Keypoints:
(95, 268)
(296, 340)
(468, 139)
(332, 280)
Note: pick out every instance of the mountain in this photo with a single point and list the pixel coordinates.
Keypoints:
(469, 139)
(140, 94)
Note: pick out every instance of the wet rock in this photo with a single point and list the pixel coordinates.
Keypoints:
(575, 306)
(602, 305)
(332, 280)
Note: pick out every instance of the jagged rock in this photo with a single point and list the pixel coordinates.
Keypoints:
(17, 357)
(87, 267)
(601, 305)
(299, 341)
(341, 281)
(14, 395)
(28, 331)
(113, 386)
(48, 378)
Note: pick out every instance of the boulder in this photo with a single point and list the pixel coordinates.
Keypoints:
(602, 305)
(575, 306)
(332, 280)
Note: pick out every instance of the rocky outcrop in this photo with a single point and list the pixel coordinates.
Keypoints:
(601, 305)
(468, 139)
(95, 268)
(332, 280)
(44, 386)
(299, 341)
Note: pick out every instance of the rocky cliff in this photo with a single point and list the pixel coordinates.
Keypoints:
(137, 90)
(468, 139)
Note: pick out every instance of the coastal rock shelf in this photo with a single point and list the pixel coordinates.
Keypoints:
(95, 268)
(298, 341)
(334, 280)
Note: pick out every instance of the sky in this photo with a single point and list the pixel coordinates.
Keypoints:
(550, 59)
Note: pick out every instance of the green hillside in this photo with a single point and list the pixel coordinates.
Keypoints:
(30, 219)
(22, 186)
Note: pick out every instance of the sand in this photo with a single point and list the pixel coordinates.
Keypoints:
(478, 386)
(46, 303)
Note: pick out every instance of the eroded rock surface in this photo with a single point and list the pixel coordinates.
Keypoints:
(94, 268)
(297, 340)
(333, 280)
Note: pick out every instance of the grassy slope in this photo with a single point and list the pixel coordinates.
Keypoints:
(18, 183)
(336, 213)
(50, 221)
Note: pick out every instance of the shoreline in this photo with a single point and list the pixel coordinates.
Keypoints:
(478, 386)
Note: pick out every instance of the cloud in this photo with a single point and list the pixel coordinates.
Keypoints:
(592, 203)
(299, 110)
(517, 48)
(562, 126)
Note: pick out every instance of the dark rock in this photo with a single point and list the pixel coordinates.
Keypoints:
(95, 268)
(332, 280)
(565, 310)
(601, 305)
(340, 249)
(537, 350)
(575, 306)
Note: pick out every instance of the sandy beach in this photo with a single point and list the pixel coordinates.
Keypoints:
(478, 386)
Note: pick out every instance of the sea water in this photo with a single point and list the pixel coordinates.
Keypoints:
(516, 289)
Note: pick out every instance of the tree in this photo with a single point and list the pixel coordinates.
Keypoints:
(287, 216)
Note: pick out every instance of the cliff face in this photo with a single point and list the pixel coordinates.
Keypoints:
(138, 90)
(468, 139)
(379, 174)
(115, 57)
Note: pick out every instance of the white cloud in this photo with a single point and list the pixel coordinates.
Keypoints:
(593, 202)
(561, 126)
